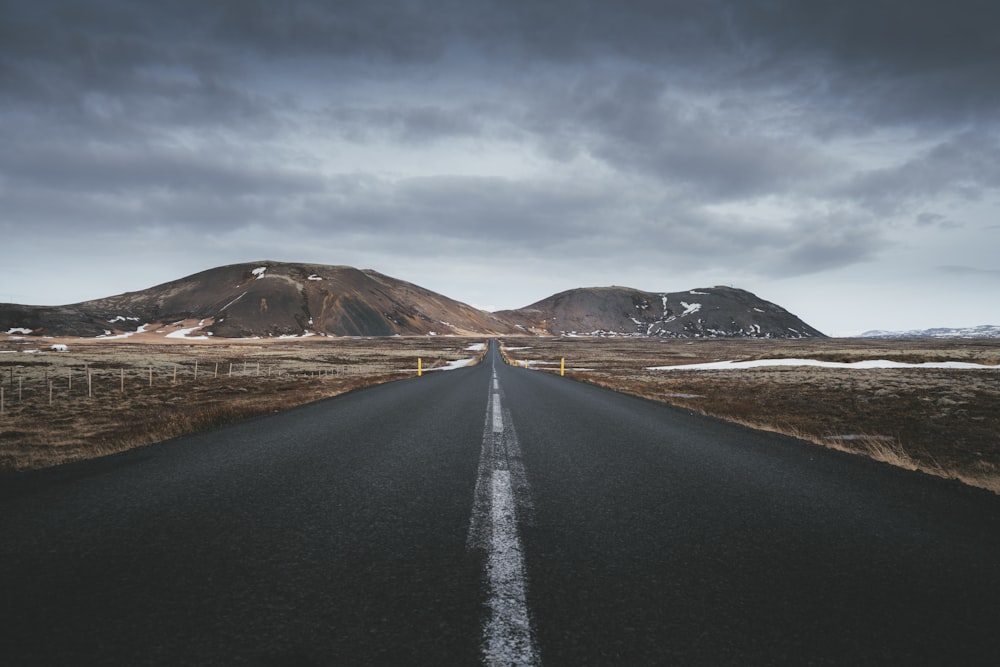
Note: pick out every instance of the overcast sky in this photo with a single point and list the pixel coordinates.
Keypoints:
(841, 159)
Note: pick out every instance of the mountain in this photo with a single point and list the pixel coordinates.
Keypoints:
(983, 331)
(708, 312)
(267, 299)
(283, 299)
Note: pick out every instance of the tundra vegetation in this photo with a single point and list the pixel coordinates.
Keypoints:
(941, 421)
(106, 396)
(944, 422)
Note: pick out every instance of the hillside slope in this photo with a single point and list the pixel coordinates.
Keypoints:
(267, 299)
(289, 299)
(708, 312)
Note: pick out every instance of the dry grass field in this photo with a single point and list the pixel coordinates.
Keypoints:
(944, 422)
(144, 392)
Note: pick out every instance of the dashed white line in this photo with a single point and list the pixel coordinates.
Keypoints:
(497, 414)
(502, 495)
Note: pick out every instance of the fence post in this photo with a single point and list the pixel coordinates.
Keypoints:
(195, 369)
(50, 393)
(123, 380)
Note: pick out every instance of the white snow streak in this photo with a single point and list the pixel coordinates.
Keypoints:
(233, 301)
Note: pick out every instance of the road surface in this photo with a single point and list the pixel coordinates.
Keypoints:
(494, 515)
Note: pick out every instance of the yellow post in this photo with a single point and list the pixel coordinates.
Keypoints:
(420, 366)
(562, 367)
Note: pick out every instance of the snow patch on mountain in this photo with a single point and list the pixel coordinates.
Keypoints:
(982, 331)
(690, 308)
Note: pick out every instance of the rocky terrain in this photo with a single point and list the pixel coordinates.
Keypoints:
(265, 299)
(269, 299)
(715, 312)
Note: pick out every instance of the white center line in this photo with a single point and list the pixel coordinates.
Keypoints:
(501, 491)
(497, 415)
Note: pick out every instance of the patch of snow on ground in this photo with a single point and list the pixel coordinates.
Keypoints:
(183, 333)
(450, 366)
(314, 277)
(476, 347)
(517, 348)
(18, 330)
(696, 292)
(867, 364)
(126, 334)
(259, 272)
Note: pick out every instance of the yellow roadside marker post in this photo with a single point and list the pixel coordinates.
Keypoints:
(420, 366)
(562, 367)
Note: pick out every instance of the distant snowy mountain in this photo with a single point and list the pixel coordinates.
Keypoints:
(708, 312)
(983, 331)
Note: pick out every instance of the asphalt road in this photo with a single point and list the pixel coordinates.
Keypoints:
(494, 514)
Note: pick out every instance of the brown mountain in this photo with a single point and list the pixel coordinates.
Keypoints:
(707, 312)
(267, 299)
(275, 299)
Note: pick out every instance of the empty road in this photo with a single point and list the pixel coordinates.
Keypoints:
(494, 515)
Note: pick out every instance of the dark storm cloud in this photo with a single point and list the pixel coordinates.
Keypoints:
(417, 124)
(715, 133)
(928, 58)
(969, 271)
(636, 123)
(964, 166)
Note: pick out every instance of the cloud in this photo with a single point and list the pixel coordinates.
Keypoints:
(959, 166)
(952, 269)
(765, 139)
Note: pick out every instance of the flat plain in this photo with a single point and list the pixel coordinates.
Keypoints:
(106, 396)
(940, 421)
(944, 422)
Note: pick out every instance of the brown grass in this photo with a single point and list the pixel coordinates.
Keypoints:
(266, 376)
(943, 422)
